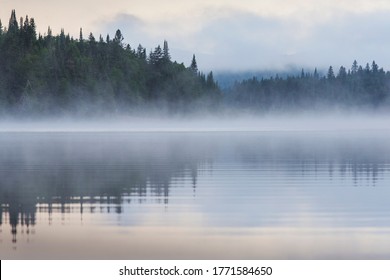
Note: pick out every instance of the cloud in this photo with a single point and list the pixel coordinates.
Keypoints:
(224, 38)
(229, 34)
(248, 41)
(221, 38)
(346, 37)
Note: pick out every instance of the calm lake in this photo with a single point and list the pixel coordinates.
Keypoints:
(195, 195)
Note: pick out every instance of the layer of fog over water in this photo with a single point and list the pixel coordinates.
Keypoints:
(235, 188)
(199, 122)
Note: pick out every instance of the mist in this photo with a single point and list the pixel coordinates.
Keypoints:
(366, 122)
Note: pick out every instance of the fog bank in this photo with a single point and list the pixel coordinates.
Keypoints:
(235, 122)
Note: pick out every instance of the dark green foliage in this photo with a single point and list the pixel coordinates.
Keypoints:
(166, 55)
(13, 23)
(358, 87)
(56, 74)
(194, 65)
(330, 74)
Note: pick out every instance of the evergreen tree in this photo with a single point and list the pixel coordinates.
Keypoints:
(374, 67)
(156, 57)
(81, 38)
(330, 75)
(367, 69)
(166, 55)
(91, 38)
(141, 52)
(210, 80)
(342, 75)
(32, 28)
(25, 24)
(118, 39)
(49, 32)
(354, 67)
(194, 65)
(13, 23)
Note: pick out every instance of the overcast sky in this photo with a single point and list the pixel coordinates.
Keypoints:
(230, 34)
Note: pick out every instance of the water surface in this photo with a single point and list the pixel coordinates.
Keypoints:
(214, 195)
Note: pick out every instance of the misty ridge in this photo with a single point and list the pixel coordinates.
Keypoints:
(63, 77)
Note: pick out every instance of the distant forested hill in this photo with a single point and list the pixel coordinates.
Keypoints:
(357, 87)
(60, 74)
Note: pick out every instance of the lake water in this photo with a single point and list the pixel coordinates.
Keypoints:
(211, 195)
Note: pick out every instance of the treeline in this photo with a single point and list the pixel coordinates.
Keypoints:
(356, 87)
(55, 74)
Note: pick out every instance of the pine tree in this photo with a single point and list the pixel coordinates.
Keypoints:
(91, 38)
(330, 74)
(21, 23)
(194, 65)
(33, 28)
(342, 75)
(354, 67)
(81, 39)
(156, 56)
(210, 80)
(374, 67)
(141, 52)
(25, 24)
(13, 23)
(49, 32)
(118, 39)
(166, 55)
(101, 41)
(367, 68)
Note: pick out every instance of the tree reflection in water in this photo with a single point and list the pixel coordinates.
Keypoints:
(100, 173)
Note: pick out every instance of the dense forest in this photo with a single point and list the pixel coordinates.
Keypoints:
(357, 87)
(54, 74)
(58, 74)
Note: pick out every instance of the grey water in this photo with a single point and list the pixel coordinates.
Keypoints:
(195, 195)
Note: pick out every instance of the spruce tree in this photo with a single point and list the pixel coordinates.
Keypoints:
(91, 38)
(330, 74)
(194, 65)
(374, 67)
(33, 28)
(118, 39)
(367, 68)
(166, 55)
(13, 23)
(81, 38)
(141, 52)
(354, 67)
(342, 75)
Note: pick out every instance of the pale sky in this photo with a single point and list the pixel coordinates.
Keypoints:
(230, 34)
